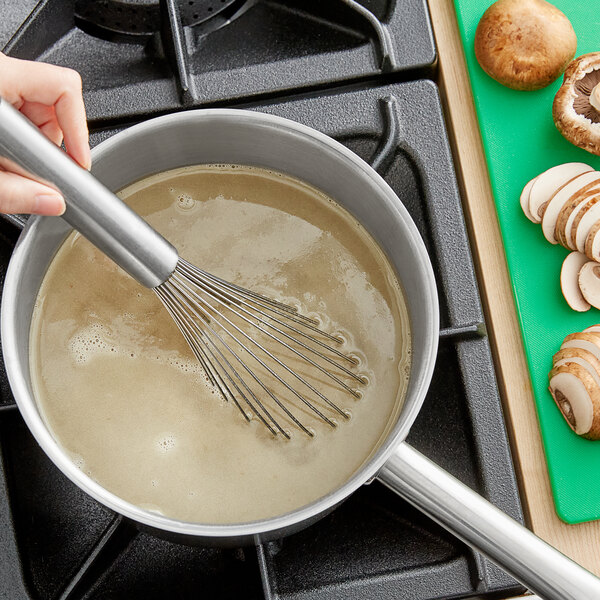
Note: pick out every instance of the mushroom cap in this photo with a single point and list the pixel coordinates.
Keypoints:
(576, 119)
(524, 44)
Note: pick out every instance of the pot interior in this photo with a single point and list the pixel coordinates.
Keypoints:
(253, 139)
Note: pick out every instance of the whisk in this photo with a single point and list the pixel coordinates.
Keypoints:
(229, 328)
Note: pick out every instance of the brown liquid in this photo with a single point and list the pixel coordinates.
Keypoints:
(121, 391)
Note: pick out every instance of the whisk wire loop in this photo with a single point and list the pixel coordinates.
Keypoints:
(207, 309)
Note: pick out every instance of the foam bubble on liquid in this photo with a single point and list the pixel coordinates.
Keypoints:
(184, 365)
(166, 443)
(89, 341)
(185, 201)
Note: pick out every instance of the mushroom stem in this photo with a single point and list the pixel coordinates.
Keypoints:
(595, 97)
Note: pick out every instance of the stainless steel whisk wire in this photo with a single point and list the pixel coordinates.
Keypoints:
(201, 303)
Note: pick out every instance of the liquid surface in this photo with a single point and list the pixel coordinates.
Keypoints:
(123, 394)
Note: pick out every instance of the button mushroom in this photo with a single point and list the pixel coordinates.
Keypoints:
(587, 340)
(589, 283)
(555, 204)
(524, 44)
(576, 108)
(548, 183)
(569, 281)
(524, 199)
(578, 397)
(582, 357)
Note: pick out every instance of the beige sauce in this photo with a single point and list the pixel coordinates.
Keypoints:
(123, 394)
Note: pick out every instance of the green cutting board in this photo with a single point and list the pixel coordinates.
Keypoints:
(521, 141)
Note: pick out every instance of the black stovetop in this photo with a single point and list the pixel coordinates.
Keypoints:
(368, 80)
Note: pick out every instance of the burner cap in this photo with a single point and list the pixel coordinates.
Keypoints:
(132, 20)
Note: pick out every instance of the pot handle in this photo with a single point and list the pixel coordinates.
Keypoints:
(474, 520)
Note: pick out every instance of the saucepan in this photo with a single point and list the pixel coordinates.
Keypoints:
(250, 138)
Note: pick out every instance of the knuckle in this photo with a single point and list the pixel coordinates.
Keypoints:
(71, 78)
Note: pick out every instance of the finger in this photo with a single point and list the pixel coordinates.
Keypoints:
(21, 195)
(37, 112)
(52, 131)
(22, 80)
(45, 118)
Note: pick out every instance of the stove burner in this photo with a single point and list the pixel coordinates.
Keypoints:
(137, 20)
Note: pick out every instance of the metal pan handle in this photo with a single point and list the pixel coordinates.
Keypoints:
(530, 560)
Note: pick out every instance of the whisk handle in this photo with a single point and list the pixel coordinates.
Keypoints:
(92, 209)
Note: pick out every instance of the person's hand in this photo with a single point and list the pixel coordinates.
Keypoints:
(51, 98)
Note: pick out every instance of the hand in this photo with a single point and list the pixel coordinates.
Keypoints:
(51, 98)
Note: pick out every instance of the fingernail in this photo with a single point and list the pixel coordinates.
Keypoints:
(48, 204)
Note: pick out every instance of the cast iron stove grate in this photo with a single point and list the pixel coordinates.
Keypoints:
(57, 543)
(206, 51)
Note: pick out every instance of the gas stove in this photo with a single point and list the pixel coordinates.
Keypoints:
(364, 73)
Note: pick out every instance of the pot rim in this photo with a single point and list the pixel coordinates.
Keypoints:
(366, 473)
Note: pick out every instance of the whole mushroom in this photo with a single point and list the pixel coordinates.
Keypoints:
(576, 108)
(524, 44)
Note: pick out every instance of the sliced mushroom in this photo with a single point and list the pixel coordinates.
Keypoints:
(582, 357)
(560, 198)
(570, 217)
(524, 44)
(524, 199)
(569, 281)
(587, 219)
(576, 109)
(582, 363)
(592, 243)
(549, 182)
(589, 282)
(592, 328)
(585, 340)
(578, 398)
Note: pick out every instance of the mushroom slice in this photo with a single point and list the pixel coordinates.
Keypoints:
(524, 44)
(569, 281)
(575, 360)
(524, 199)
(549, 182)
(569, 212)
(592, 328)
(578, 398)
(585, 341)
(589, 282)
(552, 209)
(587, 219)
(576, 110)
(592, 242)
(582, 357)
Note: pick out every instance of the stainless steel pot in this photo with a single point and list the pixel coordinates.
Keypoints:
(233, 136)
